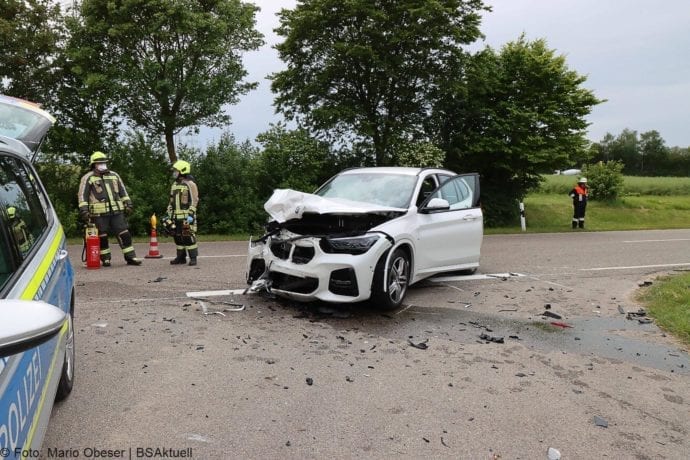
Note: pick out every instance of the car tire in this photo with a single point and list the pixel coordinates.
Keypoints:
(397, 280)
(67, 376)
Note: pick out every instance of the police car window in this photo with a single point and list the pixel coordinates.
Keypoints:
(24, 209)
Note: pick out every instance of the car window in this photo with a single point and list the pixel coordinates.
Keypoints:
(393, 190)
(23, 206)
(428, 186)
(459, 192)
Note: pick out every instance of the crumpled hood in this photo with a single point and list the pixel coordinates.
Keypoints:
(287, 204)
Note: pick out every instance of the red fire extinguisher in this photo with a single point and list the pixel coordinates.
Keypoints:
(93, 247)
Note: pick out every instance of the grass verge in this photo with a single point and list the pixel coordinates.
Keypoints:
(668, 302)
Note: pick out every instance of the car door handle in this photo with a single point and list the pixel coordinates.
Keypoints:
(470, 218)
(63, 253)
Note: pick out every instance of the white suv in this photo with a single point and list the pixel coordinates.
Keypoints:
(368, 233)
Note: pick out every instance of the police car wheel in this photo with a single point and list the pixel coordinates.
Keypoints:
(67, 376)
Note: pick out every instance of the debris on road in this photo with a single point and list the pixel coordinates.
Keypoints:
(420, 345)
(600, 421)
(491, 338)
(559, 324)
(551, 314)
(310, 381)
(553, 454)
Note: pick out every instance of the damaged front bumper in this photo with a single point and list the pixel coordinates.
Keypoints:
(307, 268)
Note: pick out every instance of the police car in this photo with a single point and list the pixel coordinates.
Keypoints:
(36, 287)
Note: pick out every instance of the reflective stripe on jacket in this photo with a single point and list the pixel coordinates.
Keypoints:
(102, 195)
(184, 198)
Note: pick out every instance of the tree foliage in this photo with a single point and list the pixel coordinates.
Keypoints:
(172, 64)
(292, 159)
(31, 32)
(511, 116)
(226, 176)
(365, 69)
(604, 180)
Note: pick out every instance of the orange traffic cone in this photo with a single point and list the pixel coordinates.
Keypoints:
(153, 246)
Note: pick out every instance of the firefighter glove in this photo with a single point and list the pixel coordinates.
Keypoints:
(85, 215)
(129, 208)
(190, 219)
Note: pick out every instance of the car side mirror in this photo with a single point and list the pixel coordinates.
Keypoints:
(25, 324)
(436, 204)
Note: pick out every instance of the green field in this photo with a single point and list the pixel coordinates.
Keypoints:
(647, 203)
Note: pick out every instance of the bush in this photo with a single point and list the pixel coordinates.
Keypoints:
(604, 180)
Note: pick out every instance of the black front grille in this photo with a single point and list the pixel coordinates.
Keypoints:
(281, 250)
(291, 283)
(343, 282)
(302, 254)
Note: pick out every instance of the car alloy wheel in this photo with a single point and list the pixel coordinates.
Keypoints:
(397, 280)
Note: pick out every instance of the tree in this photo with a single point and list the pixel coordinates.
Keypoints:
(291, 159)
(512, 116)
(364, 69)
(226, 176)
(30, 36)
(172, 64)
(654, 153)
(625, 148)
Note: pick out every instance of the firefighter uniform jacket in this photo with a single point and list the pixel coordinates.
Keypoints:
(103, 195)
(184, 198)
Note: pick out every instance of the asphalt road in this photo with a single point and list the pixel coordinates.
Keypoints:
(285, 380)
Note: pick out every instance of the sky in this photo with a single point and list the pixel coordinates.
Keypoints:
(634, 53)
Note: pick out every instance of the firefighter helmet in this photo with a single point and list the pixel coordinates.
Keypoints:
(98, 157)
(182, 166)
(583, 180)
(11, 212)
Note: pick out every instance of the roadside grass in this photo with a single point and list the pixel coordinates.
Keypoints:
(549, 213)
(668, 302)
(647, 203)
(632, 185)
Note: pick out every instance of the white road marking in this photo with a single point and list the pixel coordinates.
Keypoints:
(657, 241)
(441, 279)
(634, 267)
(215, 293)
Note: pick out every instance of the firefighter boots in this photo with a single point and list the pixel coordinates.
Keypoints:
(192, 256)
(133, 261)
(180, 259)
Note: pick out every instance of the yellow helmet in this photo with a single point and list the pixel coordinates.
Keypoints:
(11, 212)
(182, 166)
(98, 157)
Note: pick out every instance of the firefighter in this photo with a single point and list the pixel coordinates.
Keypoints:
(103, 199)
(21, 234)
(182, 206)
(579, 196)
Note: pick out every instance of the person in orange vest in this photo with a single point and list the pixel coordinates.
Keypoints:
(579, 196)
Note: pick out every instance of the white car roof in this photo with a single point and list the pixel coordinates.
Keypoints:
(410, 171)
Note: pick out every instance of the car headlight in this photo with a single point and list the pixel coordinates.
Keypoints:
(351, 245)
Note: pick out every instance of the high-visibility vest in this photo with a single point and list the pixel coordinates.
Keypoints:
(184, 198)
(102, 194)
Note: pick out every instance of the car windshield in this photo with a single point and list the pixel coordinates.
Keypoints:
(24, 121)
(391, 190)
